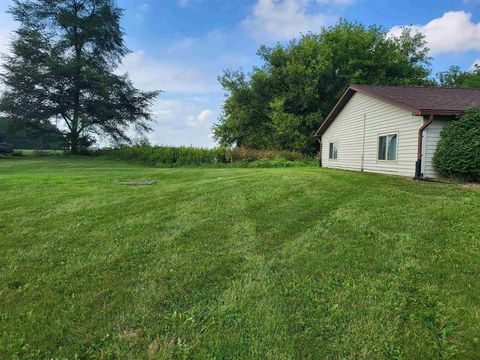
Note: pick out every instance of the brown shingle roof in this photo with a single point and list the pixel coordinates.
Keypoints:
(418, 100)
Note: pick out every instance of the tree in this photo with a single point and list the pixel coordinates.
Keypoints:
(245, 121)
(456, 78)
(61, 67)
(282, 103)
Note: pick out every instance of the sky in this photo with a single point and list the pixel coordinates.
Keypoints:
(182, 46)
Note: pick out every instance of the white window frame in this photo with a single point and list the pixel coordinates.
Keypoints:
(386, 147)
(335, 145)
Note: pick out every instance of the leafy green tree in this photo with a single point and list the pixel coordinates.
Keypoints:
(456, 78)
(458, 151)
(281, 104)
(245, 120)
(61, 67)
(450, 77)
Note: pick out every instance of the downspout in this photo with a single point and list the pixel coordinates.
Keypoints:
(363, 142)
(319, 138)
(418, 164)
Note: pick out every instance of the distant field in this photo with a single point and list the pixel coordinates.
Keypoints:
(234, 263)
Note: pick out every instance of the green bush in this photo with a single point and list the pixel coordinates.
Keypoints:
(458, 151)
(190, 156)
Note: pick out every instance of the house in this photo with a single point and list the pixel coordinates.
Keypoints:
(390, 129)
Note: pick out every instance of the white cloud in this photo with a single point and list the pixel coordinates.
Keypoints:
(283, 19)
(176, 125)
(200, 119)
(204, 116)
(166, 111)
(180, 46)
(148, 73)
(177, 112)
(454, 31)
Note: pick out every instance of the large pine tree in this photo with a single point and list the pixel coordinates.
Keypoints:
(61, 67)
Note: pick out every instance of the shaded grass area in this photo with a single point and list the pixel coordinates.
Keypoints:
(234, 263)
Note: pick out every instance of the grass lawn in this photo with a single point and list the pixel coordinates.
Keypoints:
(234, 263)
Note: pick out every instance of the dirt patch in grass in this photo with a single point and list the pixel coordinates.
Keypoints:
(137, 183)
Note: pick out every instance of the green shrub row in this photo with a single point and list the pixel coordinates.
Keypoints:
(183, 155)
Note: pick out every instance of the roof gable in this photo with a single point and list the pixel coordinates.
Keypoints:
(418, 100)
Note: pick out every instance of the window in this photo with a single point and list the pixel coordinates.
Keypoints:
(333, 151)
(387, 147)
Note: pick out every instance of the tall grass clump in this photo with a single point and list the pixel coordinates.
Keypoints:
(191, 156)
(166, 155)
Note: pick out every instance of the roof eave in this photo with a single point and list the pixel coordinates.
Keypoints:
(438, 112)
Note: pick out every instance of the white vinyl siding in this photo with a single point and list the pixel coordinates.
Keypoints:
(431, 137)
(377, 118)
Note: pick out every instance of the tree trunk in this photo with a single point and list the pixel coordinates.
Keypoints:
(74, 149)
(74, 135)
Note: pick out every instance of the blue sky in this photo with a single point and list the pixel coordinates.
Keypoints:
(182, 46)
